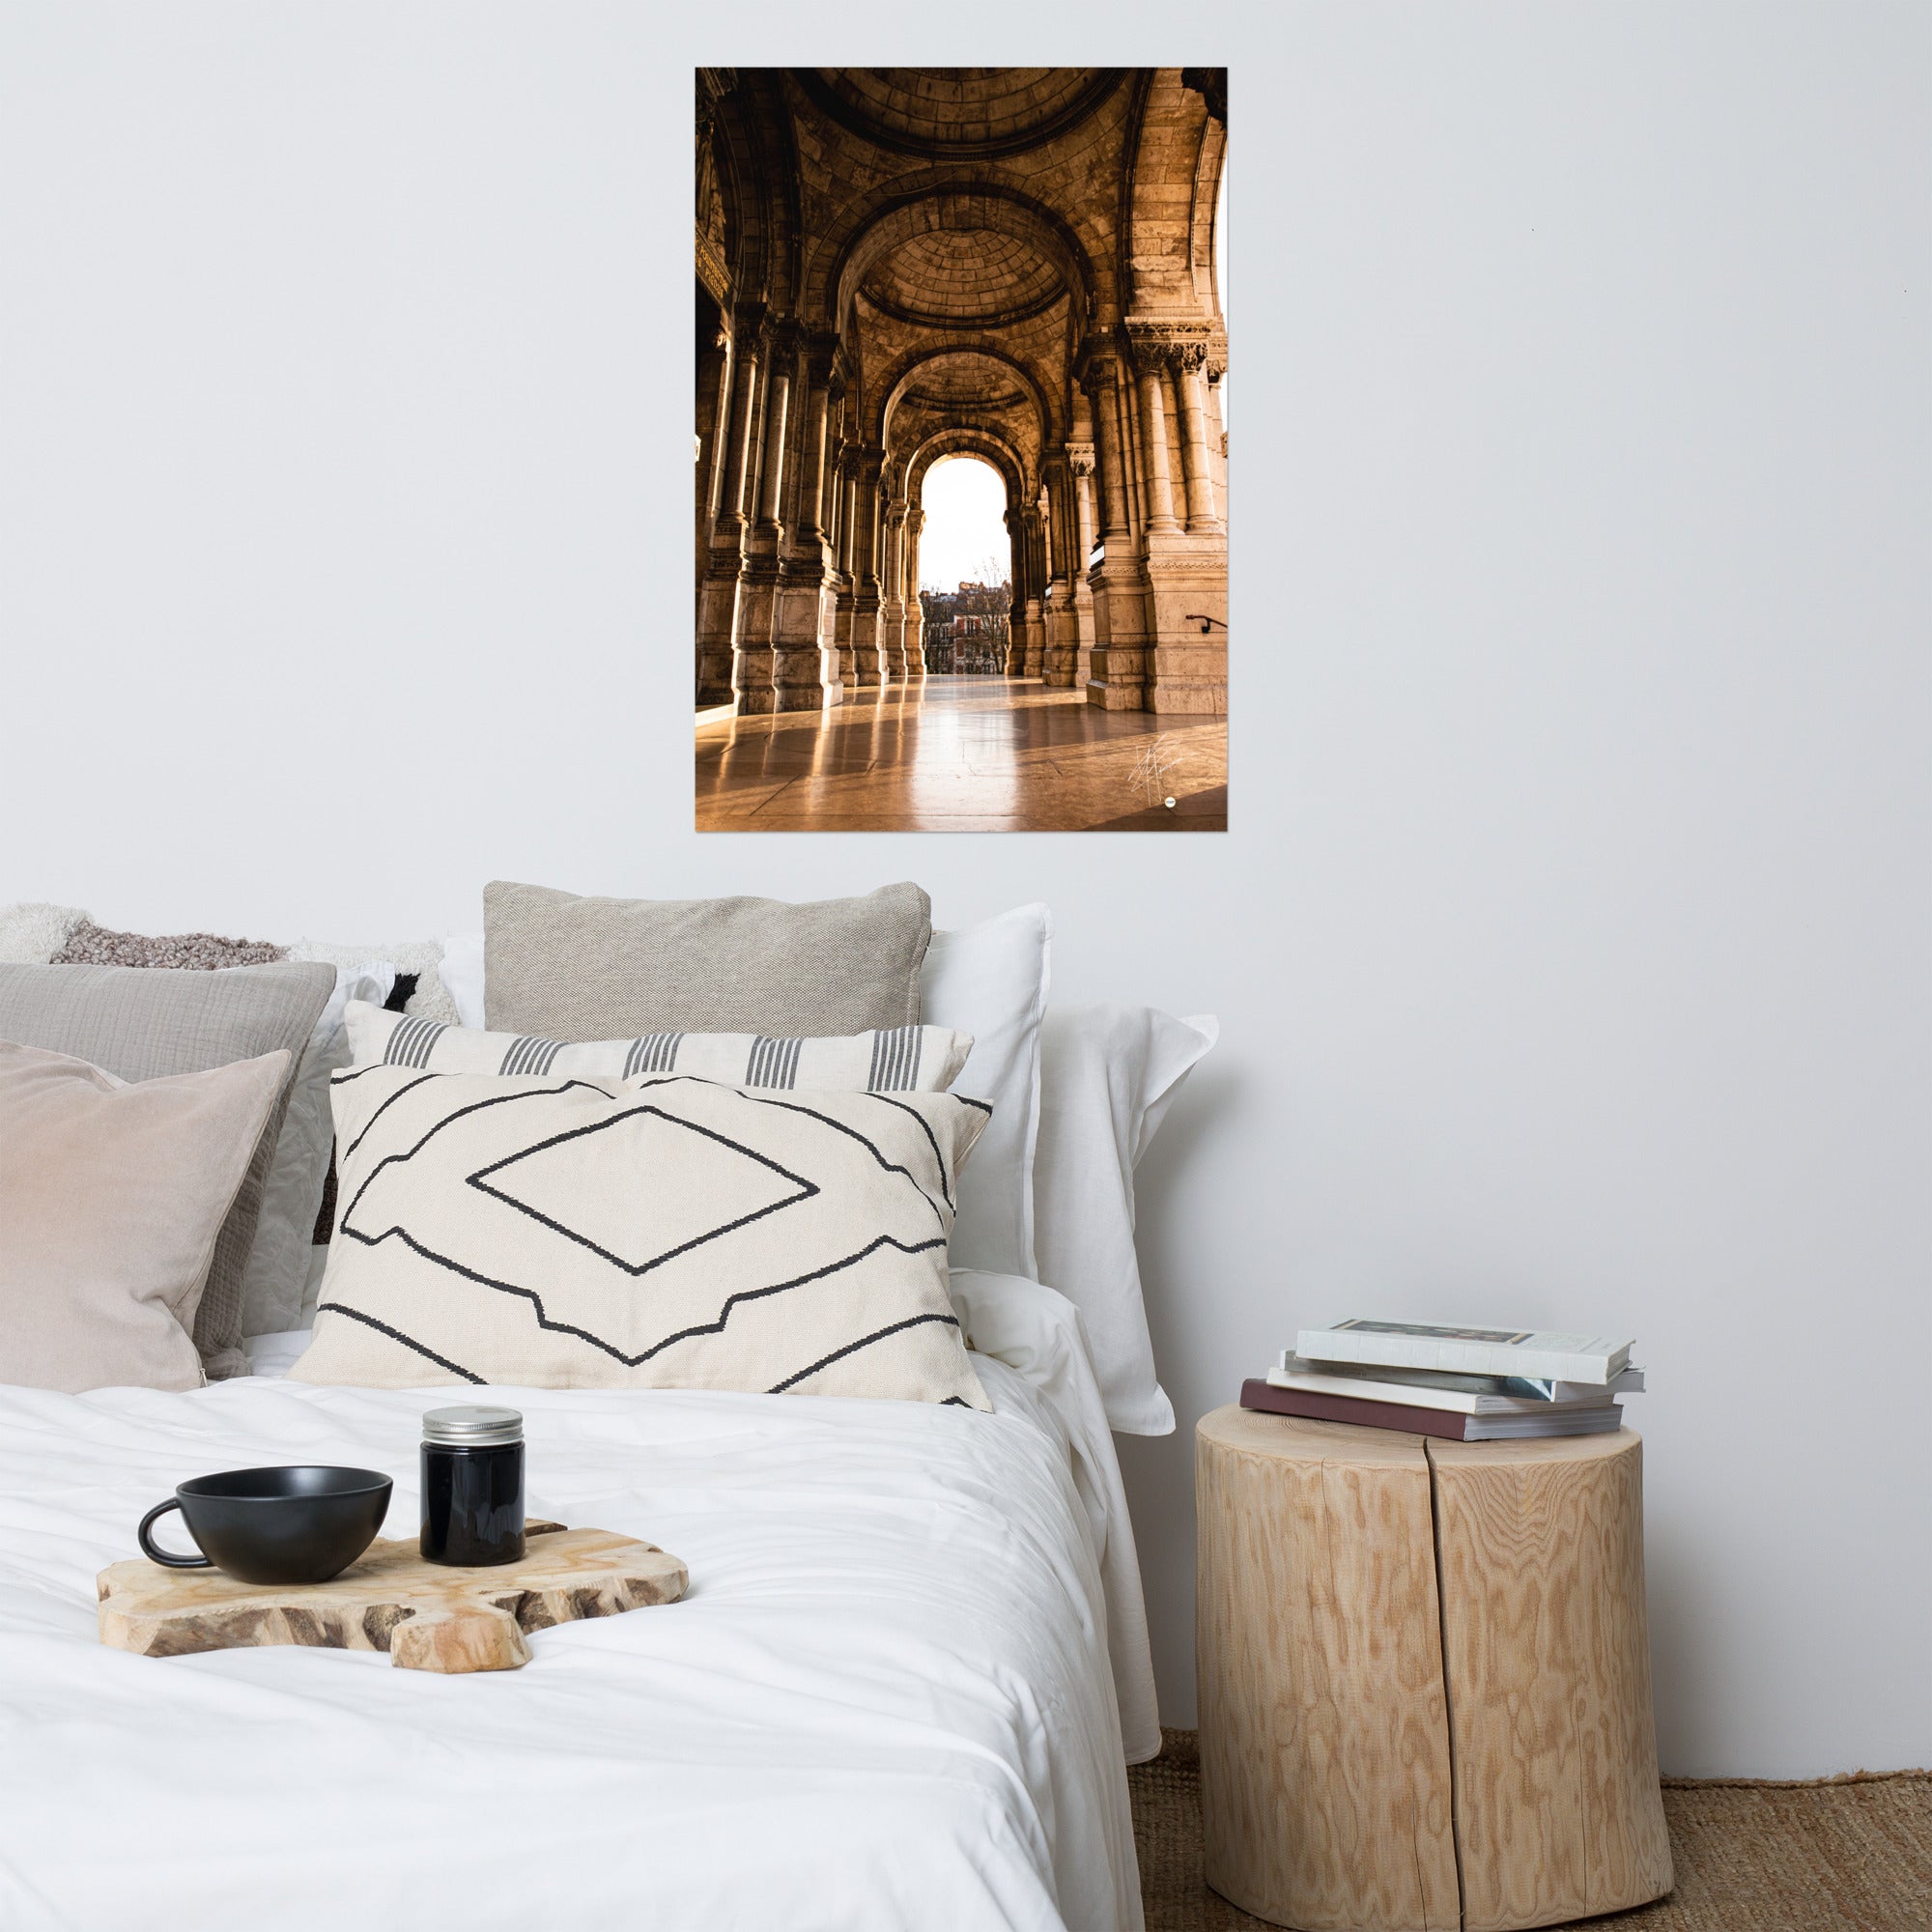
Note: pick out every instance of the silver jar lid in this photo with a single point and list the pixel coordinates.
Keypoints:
(472, 1428)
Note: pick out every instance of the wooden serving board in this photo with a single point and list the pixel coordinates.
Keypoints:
(426, 1615)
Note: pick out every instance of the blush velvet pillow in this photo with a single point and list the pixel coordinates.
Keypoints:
(112, 1194)
(655, 1232)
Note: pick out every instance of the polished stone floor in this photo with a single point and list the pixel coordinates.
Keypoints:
(963, 755)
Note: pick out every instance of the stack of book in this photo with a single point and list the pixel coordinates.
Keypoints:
(1468, 1384)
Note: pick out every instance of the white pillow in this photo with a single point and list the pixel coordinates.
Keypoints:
(421, 956)
(1109, 1075)
(277, 1265)
(461, 971)
(991, 981)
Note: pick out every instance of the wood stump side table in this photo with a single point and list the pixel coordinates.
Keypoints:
(1424, 1677)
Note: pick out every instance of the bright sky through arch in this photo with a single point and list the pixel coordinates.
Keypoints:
(965, 505)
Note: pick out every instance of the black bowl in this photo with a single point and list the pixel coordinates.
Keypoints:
(300, 1524)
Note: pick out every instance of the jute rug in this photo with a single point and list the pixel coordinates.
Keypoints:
(1850, 1854)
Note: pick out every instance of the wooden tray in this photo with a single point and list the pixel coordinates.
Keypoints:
(426, 1615)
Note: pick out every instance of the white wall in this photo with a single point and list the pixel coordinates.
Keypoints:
(1571, 941)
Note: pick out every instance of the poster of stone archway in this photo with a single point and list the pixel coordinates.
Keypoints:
(961, 556)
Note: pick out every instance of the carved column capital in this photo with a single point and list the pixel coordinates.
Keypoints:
(1080, 458)
(1171, 343)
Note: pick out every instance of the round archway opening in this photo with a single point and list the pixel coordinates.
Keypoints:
(965, 568)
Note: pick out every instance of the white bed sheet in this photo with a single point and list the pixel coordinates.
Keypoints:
(886, 1701)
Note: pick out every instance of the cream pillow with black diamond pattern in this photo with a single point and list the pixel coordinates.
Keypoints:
(661, 1231)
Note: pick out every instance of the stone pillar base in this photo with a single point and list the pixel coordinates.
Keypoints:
(865, 667)
(717, 629)
(1188, 664)
(751, 664)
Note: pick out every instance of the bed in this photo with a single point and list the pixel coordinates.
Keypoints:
(901, 1691)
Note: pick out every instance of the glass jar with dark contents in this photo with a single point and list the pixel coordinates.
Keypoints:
(473, 1486)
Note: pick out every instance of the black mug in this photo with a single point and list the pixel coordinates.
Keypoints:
(300, 1524)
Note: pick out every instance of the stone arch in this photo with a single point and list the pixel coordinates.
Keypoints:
(759, 183)
(940, 200)
(881, 397)
(1168, 204)
(988, 445)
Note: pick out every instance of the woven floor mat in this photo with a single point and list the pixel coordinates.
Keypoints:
(1847, 1855)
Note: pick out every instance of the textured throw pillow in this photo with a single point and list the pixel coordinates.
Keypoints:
(112, 1194)
(659, 1233)
(141, 1025)
(417, 964)
(991, 981)
(91, 945)
(33, 932)
(569, 968)
(1108, 1075)
(924, 1060)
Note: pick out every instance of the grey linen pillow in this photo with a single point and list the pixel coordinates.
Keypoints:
(569, 968)
(112, 1194)
(141, 1025)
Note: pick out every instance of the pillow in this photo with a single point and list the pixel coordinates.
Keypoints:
(461, 971)
(139, 1025)
(922, 1060)
(421, 960)
(1108, 1076)
(112, 1194)
(31, 934)
(658, 1233)
(278, 1258)
(569, 968)
(299, 1167)
(991, 981)
(91, 945)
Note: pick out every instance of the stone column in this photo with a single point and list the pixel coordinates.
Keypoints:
(775, 402)
(1117, 584)
(891, 594)
(1218, 433)
(1160, 516)
(1017, 606)
(713, 408)
(756, 666)
(804, 669)
(718, 594)
(845, 596)
(1080, 464)
(811, 479)
(915, 623)
(866, 599)
(1195, 462)
(1185, 667)
(1033, 541)
(1057, 665)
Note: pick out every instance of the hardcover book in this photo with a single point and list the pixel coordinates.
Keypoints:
(1460, 1395)
(1464, 1351)
(1583, 1419)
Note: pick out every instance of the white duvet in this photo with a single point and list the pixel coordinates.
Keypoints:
(887, 1700)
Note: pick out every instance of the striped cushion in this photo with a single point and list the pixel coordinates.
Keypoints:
(896, 1060)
